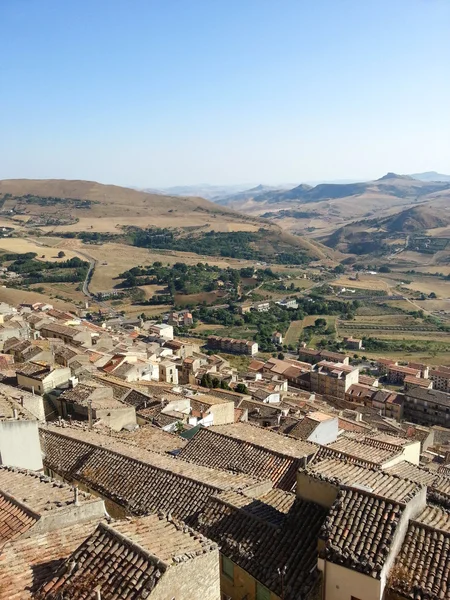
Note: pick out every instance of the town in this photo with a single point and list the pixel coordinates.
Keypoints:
(131, 454)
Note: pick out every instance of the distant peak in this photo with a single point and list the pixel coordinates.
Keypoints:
(393, 176)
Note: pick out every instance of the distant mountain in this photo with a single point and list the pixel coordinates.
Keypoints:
(251, 194)
(390, 185)
(200, 191)
(431, 176)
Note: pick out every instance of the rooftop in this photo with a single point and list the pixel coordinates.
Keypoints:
(126, 556)
(117, 470)
(360, 451)
(383, 484)
(249, 449)
(265, 534)
(359, 531)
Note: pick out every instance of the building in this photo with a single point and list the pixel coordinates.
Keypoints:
(312, 356)
(352, 343)
(383, 364)
(288, 303)
(396, 374)
(69, 335)
(427, 406)
(168, 372)
(19, 437)
(41, 378)
(277, 338)
(440, 376)
(96, 402)
(231, 345)
(162, 330)
(332, 379)
(252, 450)
(120, 472)
(316, 427)
(267, 550)
(160, 558)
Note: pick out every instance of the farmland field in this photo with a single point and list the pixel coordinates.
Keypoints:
(294, 332)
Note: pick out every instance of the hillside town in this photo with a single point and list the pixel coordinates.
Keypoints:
(136, 464)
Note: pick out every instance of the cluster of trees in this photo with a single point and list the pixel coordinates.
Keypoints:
(40, 271)
(208, 381)
(233, 244)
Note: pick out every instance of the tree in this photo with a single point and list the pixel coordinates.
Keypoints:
(61, 254)
(320, 323)
(241, 388)
(339, 269)
(280, 356)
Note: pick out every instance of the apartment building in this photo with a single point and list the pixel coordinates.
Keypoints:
(232, 345)
(332, 379)
(427, 406)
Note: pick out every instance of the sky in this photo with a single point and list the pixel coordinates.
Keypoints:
(156, 93)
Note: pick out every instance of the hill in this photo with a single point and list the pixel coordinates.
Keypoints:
(96, 211)
(431, 176)
(384, 235)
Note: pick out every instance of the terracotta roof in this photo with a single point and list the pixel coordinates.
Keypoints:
(82, 393)
(118, 470)
(422, 567)
(438, 484)
(126, 560)
(28, 562)
(38, 492)
(436, 517)
(359, 531)
(432, 396)
(253, 453)
(148, 437)
(359, 451)
(15, 519)
(381, 483)
(262, 535)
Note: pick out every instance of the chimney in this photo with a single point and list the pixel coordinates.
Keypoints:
(76, 500)
(15, 414)
(90, 413)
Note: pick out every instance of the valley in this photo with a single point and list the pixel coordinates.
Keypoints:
(379, 247)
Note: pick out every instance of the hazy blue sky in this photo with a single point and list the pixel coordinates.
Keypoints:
(167, 92)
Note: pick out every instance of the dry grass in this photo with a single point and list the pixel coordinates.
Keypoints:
(43, 251)
(366, 282)
(294, 332)
(15, 297)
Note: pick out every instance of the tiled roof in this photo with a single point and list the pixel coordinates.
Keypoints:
(37, 491)
(257, 455)
(81, 393)
(266, 534)
(15, 519)
(125, 560)
(33, 370)
(358, 451)
(438, 484)
(65, 352)
(436, 517)
(303, 429)
(117, 471)
(379, 482)
(28, 562)
(422, 567)
(138, 399)
(359, 530)
(148, 437)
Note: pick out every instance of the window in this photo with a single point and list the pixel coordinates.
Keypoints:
(227, 567)
(262, 593)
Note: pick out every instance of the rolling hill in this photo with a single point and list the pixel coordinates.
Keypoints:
(70, 206)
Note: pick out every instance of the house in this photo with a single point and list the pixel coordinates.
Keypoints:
(317, 427)
(118, 471)
(266, 551)
(250, 449)
(440, 376)
(159, 555)
(332, 379)
(168, 372)
(396, 374)
(96, 402)
(41, 378)
(69, 335)
(423, 368)
(384, 363)
(277, 338)
(162, 330)
(427, 406)
(352, 343)
(261, 306)
(265, 395)
(180, 349)
(231, 345)
(288, 303)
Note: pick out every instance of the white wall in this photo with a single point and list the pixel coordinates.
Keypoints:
(19, 444)
(326, 432)
(341, 584)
